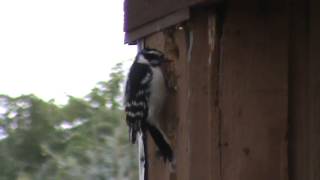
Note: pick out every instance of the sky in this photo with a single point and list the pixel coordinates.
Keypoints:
(55, 48)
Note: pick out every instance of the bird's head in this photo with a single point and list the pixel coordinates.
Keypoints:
(151, 57)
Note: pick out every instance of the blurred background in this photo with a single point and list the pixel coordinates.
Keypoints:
(63, 66)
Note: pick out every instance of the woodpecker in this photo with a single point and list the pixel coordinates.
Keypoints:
(145, 92)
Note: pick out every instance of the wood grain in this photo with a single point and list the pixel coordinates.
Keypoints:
(254, 94)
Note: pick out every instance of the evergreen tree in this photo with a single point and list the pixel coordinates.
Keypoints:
(84, 139)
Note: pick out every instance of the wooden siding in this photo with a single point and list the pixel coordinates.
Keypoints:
(305, 91)
(254, 94)
(244, 101)
(193, 91)
(231, 103)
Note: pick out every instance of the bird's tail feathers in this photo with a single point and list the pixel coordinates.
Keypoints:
(162, 143)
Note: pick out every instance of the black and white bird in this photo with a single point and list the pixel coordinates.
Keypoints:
(145, 93)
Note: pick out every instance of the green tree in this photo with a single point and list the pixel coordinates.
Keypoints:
(84, 139)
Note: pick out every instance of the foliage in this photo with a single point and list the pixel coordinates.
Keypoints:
(84, 139)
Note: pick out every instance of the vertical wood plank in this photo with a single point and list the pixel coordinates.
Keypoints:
(254, 94)
(305, 92)
(314, 90)
(252, 83)
(183, 129)
(214, 38)
(298, 91)
(192, 106)
(199, 100)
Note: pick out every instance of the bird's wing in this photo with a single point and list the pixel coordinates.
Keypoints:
(138, 78)
(136, 97)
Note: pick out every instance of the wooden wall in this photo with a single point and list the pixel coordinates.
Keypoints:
(189, 117)
(254, 93)
(244, 99)
(304, 102)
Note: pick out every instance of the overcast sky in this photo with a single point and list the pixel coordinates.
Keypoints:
(57, 47)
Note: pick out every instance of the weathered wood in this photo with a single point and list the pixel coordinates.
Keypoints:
(193, 78)
(305, 91)
(182, 135)
(141, 12)
(231, 99)
(314, 90)
(199, 105)
(298, 92)
(183, 130)
(170, 20)
(254, 97)
(214, 60)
